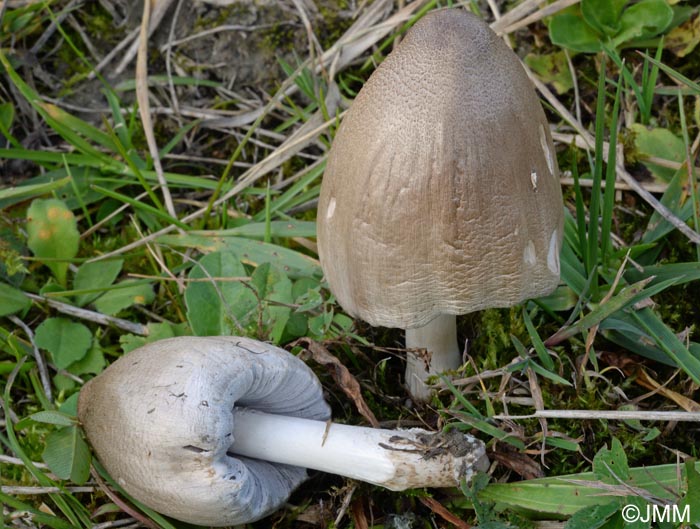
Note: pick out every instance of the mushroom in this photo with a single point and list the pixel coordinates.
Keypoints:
(441, 193)
(219, 431)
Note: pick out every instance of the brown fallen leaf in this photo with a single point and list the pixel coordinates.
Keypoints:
(631, 368)
(357, 513)
(519, 463)
(345, 380)
(444, 513)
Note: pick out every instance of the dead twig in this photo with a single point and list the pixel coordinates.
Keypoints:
(144, 105)
(89, 315)
(38, 357)
(615, 415)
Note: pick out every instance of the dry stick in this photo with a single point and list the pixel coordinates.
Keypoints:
(218, 29)
(144, 106)
(90, 315)
(40, 364)
(127, 522)
(126, 41)
(662, 210)
(155, 16)
(652, 187)
(29, 491)
(168, 65)
(685, 416)
(589, 144)
(46, 35)
(109, 217)
(540, 14)
(517, 13)
(17, 461)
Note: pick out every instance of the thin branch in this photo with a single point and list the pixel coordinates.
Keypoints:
(31, 491)
(144, 107)
(40, 364)
(684, 416)
(89, 315)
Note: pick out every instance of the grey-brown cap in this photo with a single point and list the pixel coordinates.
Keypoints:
(161, 421)
(441, 193)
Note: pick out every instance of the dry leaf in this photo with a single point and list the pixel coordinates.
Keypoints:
(346, 381)
(443, 512)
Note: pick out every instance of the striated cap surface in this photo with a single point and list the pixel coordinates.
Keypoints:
(441, 193)
(160, 419)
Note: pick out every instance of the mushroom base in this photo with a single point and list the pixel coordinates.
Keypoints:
(432, 349)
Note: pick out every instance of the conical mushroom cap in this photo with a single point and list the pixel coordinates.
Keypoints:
(160, 419)
(441, 193)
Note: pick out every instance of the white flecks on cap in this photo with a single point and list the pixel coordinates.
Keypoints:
(529, 255)
(547, 151)
(553, 253)
(331, 208)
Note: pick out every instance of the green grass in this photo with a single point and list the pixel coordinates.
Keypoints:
(625, 312)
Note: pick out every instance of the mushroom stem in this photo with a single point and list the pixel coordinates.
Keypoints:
(395, 459)
(439, 339)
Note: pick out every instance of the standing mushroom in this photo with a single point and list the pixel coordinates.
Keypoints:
(441, 193)
(219, 431)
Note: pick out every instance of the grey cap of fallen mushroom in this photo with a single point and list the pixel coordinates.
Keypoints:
(218, 431)
(441, 193)
(160, 420)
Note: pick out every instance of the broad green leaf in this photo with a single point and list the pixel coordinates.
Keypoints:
(68, 455)
(297, 326)
(592, 516)
(12, 300)
(660, 143)
(610, 464)
(52, 417)
(309, 300)
(70, 405)
(643, 20)
(218, 303)
(571, 31)
(552, 69)
(132, 293)
(66, 340)
(52, 235)
(564, 495)
(692, 492)
(603, 15)
(95, 276)
(93, 362)
(275, 288)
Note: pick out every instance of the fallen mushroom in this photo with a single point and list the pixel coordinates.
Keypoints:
(441, 193)
(219, 431)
